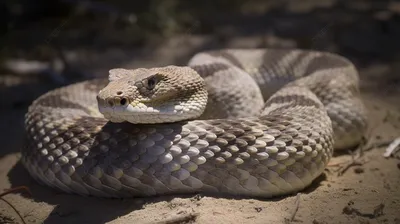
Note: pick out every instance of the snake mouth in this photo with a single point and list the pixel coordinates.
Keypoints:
(140, 109)
(145, 114)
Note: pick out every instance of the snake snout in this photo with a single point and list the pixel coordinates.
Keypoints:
(112, 96)
(113, 101)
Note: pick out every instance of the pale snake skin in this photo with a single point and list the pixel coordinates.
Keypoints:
(315, 106)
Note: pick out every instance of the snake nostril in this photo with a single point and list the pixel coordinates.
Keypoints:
(123, 101)
(119, 92)
(110, 102)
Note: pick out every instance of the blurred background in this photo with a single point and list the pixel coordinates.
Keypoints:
(51, 43)
(46, 44)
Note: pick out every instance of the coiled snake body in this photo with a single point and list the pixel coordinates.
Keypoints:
(200, 128)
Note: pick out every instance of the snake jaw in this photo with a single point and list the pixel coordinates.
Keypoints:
(141, 113)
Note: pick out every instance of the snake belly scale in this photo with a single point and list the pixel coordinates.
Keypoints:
(250, 122)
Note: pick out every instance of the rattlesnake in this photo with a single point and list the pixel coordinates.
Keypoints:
(213, 131)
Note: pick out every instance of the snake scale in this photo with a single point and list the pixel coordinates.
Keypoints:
(248, 122)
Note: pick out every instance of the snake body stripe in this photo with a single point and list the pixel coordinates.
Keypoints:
(272, 121)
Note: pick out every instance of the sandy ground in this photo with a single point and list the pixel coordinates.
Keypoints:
(367, 192)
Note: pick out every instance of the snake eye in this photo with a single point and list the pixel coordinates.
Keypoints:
(151, 82)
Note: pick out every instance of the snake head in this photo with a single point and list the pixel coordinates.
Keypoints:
(156, 95)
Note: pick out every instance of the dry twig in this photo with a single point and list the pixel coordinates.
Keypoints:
(349, 210)
(392, 148)
(188, 218)
(358, 154)
(12, 190)
(297, 205)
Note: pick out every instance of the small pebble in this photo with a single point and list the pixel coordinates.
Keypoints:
(359, 170)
